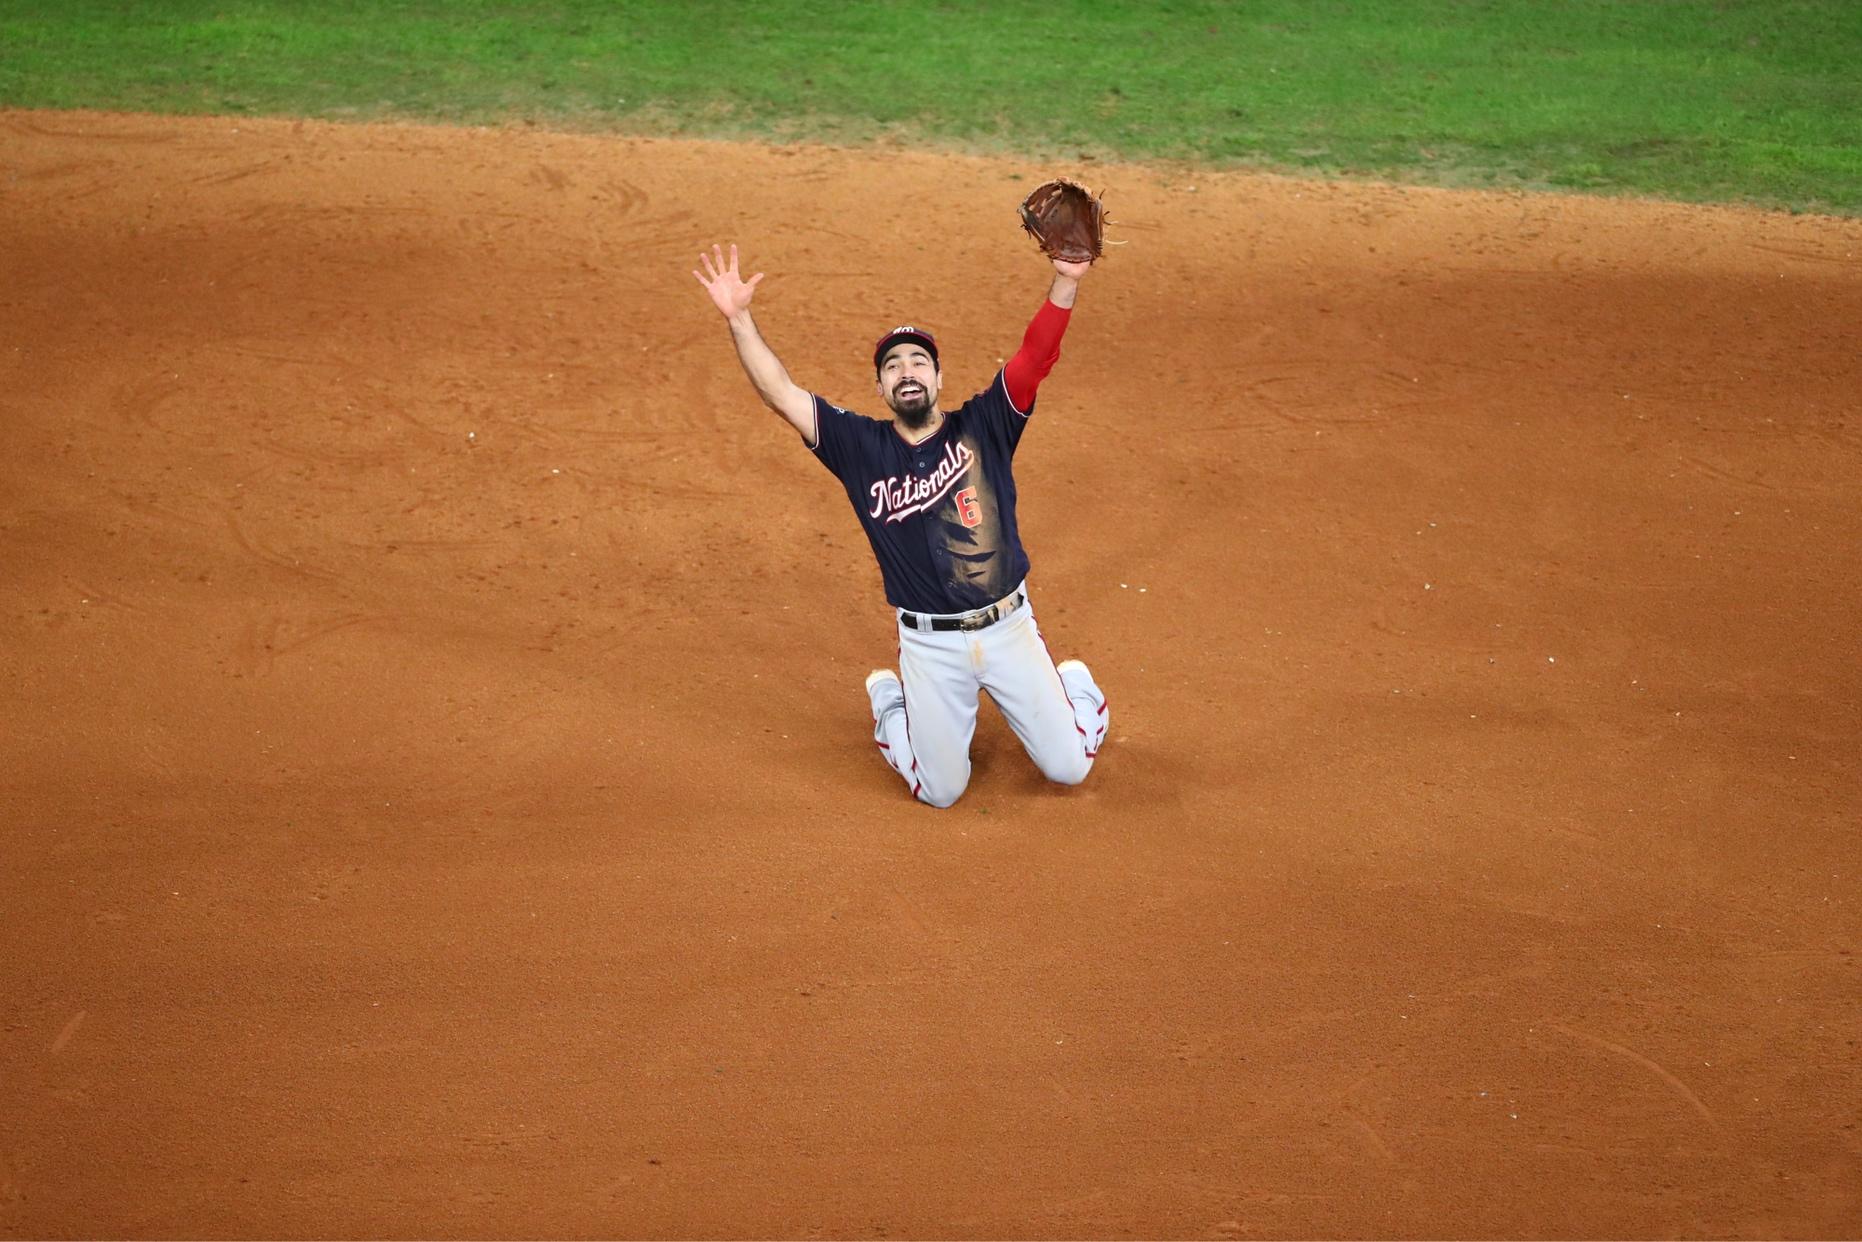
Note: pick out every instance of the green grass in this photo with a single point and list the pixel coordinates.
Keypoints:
(1736, 100)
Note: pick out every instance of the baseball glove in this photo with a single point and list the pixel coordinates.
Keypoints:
(1067, 219)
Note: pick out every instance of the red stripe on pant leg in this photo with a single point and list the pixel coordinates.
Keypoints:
(905, 705)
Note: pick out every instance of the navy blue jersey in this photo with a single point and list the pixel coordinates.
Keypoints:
(941, 514)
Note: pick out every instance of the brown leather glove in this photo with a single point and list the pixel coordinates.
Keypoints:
(1067, 219)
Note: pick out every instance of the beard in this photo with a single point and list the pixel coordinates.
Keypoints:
(913, 409)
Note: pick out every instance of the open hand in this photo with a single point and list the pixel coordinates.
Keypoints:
(729, 291)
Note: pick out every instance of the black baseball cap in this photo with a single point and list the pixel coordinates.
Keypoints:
(899, 335)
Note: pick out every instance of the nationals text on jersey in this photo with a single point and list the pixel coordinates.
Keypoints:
(908, 495)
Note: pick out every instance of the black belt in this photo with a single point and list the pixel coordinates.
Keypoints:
(969, 620)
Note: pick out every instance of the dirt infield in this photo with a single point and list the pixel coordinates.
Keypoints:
(437, 796)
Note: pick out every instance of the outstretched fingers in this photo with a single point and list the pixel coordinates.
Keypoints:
(722, 279)
(748, 284)
(715, 263)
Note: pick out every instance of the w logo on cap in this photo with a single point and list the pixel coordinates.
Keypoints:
(900, 335)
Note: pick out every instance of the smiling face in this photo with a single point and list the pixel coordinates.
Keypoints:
(909, 382)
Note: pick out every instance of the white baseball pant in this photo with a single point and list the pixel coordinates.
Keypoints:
(924, 722)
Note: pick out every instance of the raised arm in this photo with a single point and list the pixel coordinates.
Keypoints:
(731, 294)
(1041, 343)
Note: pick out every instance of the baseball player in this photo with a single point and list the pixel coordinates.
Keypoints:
(935, 493)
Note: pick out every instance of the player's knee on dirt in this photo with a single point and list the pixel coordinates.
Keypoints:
(944, 793)
(1068, 770)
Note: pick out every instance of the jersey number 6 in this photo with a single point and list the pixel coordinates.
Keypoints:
(967, 510)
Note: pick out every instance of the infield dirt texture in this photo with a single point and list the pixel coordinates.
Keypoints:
(438, 797)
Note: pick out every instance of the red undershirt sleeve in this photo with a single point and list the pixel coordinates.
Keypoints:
(1039, 352)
